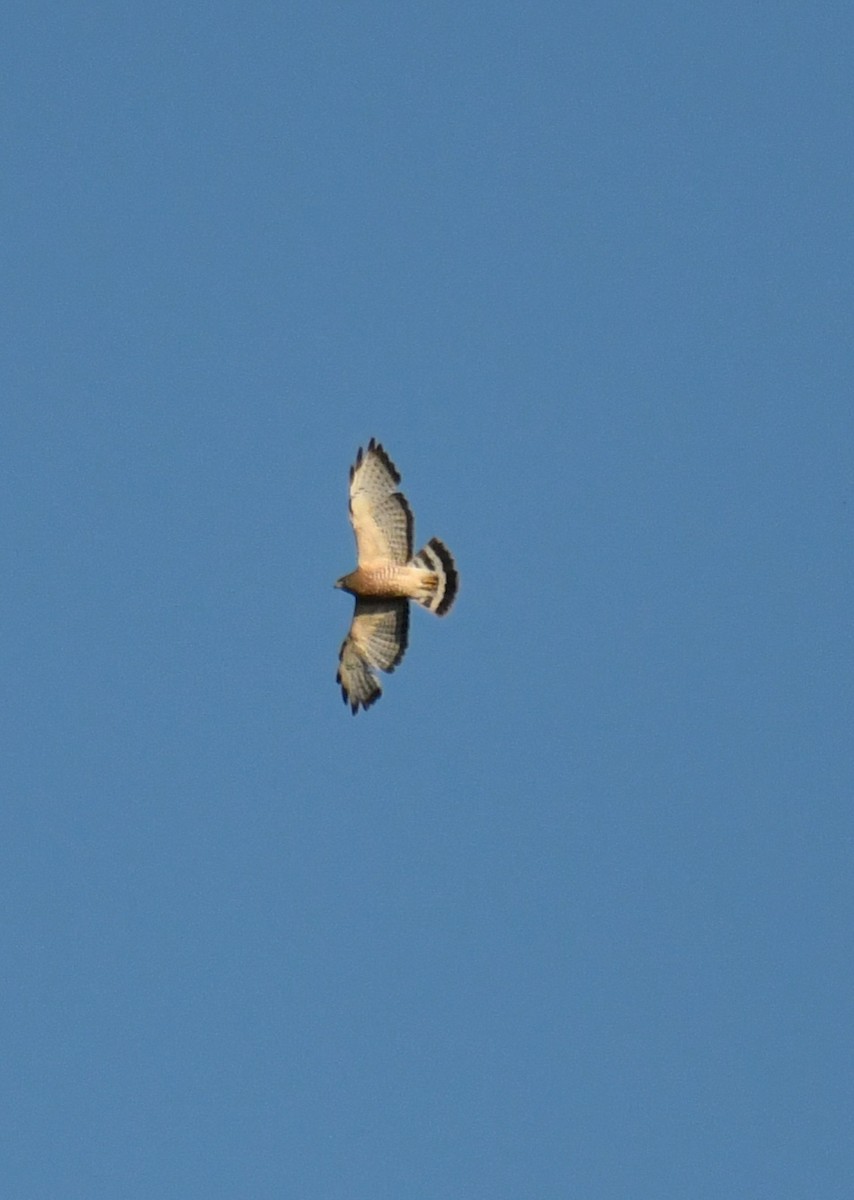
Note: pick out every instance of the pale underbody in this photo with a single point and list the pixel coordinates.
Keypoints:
(389, 582)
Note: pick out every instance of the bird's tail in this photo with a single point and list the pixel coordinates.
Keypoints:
(440, 581)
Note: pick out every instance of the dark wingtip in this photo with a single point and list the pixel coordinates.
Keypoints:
(365, 704)
(379, 449)
(355, 704)
(357, 463)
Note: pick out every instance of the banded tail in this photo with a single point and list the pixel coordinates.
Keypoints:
(439, 588)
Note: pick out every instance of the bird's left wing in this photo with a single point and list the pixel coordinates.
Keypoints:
(381, 517)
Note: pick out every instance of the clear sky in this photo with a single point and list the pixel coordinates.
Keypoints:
(569, 912)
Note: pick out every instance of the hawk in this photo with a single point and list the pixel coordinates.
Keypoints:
(386, 578)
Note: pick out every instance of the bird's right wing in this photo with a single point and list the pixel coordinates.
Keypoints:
(376, 641)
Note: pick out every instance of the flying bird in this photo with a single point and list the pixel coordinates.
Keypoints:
(386, 578)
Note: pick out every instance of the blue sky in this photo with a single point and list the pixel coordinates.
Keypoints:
(569, 912)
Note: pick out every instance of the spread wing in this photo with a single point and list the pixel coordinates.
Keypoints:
(380, 515)
(376, 642)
